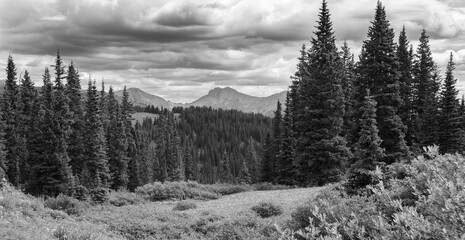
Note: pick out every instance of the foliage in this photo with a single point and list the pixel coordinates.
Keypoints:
(67, 204)
(158, 191)
(267, 209)
(419, 200)
(228, 188)
(123, 198)
(184, 205)
(99, 195)
(266, 186)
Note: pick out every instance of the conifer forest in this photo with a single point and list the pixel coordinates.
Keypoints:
(381, 131)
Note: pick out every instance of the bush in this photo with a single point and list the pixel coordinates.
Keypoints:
(175, 190)
(419, 200)
(99, 195)
(228, 188)
(182, 206)
(81, 193)
(121, 198)
(67, 204)
(266, 186)
(267, 209)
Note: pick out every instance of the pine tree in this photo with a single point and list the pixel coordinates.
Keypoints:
(95, 154)
(348, 90)
(368, 152)
(188, 160)
(11, 118)
(450, 132)
(425, 90)
(117, 144)
(225, 175)
(266, 166)
(276, 139)
(254, 161)
(405, 57)
(286, 167)
(379, 73)
(321, 151)
(244, 174)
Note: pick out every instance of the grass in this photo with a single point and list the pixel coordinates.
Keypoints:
(228, 217)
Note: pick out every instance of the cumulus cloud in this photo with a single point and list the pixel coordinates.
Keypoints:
(179, 49)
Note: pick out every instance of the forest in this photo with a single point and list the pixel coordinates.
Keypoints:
(340, 116)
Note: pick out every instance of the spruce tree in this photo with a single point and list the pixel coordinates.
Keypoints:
(348, 90)
(379, 72)
(244, 174)
(425, 90)
(225, 175)
(266, 166)
(95, 171)
(117, 144)
(405, 57)
(254, 161)
(321, 151)
(286, 167)
(276, 139)
(450, 132)
(368, 152)
(188, 160)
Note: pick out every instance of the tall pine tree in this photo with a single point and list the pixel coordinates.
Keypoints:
(379, 72)
(321, 151)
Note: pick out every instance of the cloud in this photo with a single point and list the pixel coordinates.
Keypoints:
(179, 49)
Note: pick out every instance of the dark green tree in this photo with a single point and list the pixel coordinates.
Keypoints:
(244, 174)
(286, 167)
(95, 171)
(348, 90)
(450, 132)
(368, 152)
(225, 175)
(379, 72)
(276, 139)
(321, 151)
(189, 160)
(266, 166)
(405, 57)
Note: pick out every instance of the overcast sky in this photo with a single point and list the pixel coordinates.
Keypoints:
(180, 49)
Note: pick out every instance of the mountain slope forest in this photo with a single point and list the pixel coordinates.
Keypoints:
(340, 117)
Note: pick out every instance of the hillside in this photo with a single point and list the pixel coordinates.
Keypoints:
(143, 99)
(229, 98)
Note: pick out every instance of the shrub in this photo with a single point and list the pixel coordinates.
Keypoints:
(267, 209)
(122, 198)
(175, 190)
(81, 193)
(266, 186)
(67, 204)
(99, 195)
(62, 233)
(228, 188)
(419, 200)
(182, 206)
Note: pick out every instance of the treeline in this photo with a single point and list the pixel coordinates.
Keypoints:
(201, 144)
(346, 116)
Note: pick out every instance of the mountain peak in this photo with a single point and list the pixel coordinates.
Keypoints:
(217, 91)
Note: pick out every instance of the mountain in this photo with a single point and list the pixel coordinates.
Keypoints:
(229, 98)
(143, 99)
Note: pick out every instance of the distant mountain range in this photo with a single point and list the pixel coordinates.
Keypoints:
(225, 98)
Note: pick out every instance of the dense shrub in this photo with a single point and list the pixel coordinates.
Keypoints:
(175, 190)
(81, 193)
(182, 206)
(267, 209)
(228, 188)
(420, 200)
(266, 186)
(67, 204)
(122, 198)
(99, 195)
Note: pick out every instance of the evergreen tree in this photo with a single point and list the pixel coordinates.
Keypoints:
(379, 73)
(117, 144)
(266, 166)
(405, 57)
(244, 175)
(225, 175)
(76, 139)
(450, 132)
(276, 139)
(348, 90)
(321, 151)
(95, 171)
(11, 118)
(286, 168)
(368, 152)
(254, 161)
(425, 90)
(188, 160)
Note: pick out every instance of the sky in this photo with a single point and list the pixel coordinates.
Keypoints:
(180, 49)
